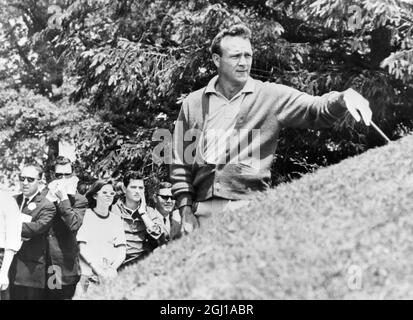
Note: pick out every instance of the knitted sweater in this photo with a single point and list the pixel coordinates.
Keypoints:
(263, 113)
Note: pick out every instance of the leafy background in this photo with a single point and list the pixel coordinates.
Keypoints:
(107, 74)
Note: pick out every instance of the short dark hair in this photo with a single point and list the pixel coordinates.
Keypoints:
(131, 175)
(237, 30)
(94, 189)
(38, 168)
(62, 161)
(161, 185)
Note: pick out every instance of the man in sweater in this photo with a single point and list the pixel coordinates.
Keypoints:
(142, 228)
(236, 121)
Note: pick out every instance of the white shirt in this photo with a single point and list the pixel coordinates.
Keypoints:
(220, 123)
(101, 236)
(30, 200)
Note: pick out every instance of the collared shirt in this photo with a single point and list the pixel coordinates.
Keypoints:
(171, 224)
(167, 224)
(10, 223)
(24, 202)
(220, 123)
(136, 231)
(128, 213)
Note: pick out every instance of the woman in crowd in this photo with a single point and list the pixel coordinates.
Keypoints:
(101, 237)
(10, 238)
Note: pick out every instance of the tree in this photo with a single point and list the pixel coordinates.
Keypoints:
(30, 128)
(27, 46)
(132, 62)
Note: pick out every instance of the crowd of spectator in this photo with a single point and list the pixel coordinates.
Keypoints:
(56, 242)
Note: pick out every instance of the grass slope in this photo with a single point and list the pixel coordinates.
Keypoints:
(297, 241)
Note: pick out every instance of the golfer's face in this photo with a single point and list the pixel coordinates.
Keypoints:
(234, 64)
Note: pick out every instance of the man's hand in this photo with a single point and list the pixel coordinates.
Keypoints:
(356, 104)
(57, 191)
(71, 185)
(142, 207)
(4, 281)
(189, 221)
(61, 191)
(51, 194)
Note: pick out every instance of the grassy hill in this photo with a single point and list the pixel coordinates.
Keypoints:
(302, 240)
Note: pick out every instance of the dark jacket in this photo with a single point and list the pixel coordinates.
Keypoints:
(29, 264)
(175, 229)
(63, 249)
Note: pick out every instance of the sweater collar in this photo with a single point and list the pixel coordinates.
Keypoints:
(127, 212)
(31, 198)
(248, 88)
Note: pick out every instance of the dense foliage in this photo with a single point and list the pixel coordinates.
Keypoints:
(127, 65)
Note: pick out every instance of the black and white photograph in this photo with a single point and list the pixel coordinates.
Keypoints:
(213, 152)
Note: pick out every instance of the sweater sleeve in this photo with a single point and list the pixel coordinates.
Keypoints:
(181, 166)
(301, 110)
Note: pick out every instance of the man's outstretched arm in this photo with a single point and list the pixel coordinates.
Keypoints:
(298, 109)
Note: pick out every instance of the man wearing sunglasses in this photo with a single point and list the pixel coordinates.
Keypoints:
(28, 271)
(63, 249)
(142, 228)
(164, 208)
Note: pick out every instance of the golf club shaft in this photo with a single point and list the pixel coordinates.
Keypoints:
(379, 131)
